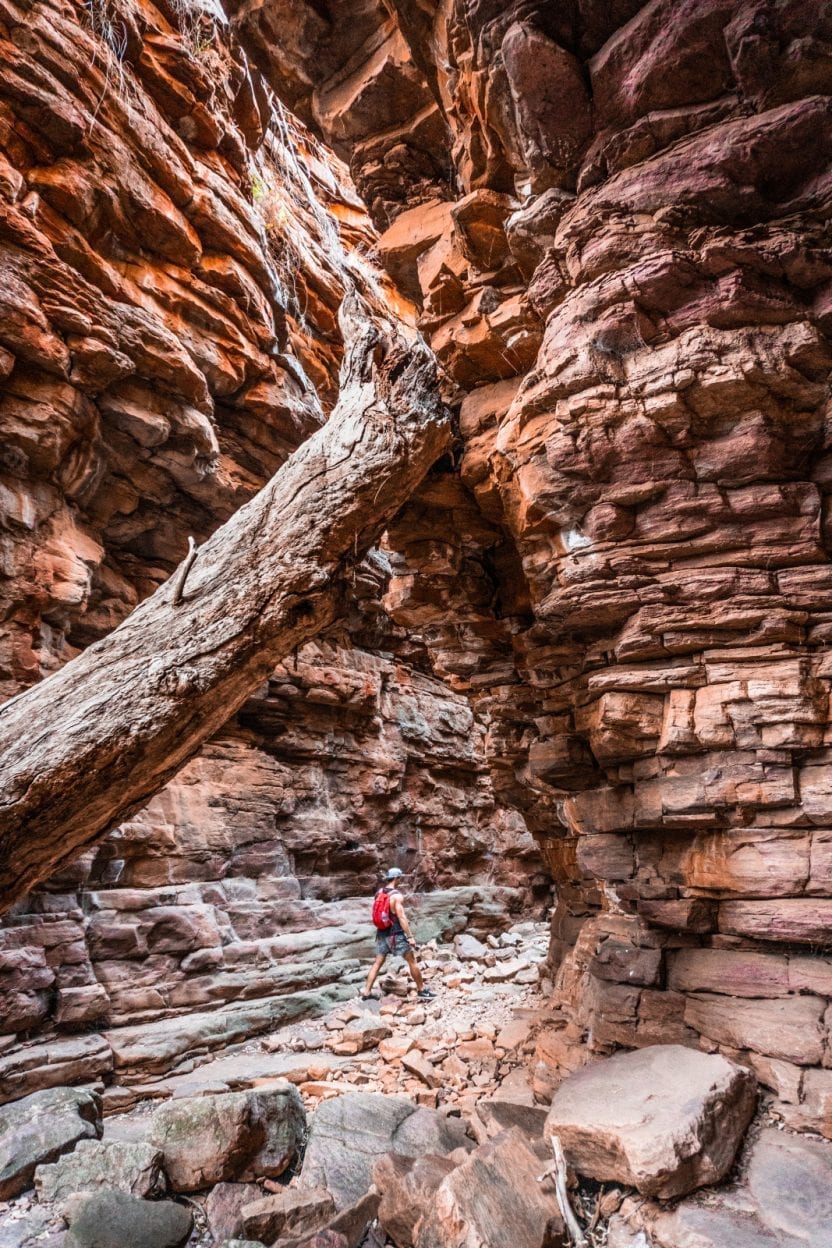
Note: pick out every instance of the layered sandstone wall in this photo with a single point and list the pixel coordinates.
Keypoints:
(614, 219)
(627, 273)
(175, 246)
(239, 895)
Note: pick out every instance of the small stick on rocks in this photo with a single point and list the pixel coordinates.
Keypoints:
(182, 574)
(558, 1172)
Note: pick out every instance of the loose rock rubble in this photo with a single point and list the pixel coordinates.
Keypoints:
(427, 1134)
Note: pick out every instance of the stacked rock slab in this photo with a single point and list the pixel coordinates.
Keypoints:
(629, 573)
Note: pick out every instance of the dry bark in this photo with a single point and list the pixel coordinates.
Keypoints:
(96, 740)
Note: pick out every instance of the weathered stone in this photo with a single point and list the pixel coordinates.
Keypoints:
(783, 1202)
(35, 1228)
(40, 1128)
(796, 920)
(501, 1113)
(790, 1028)
(625, 567)
(123, 1165)
(419, 1066)
(664, 1119)
(408, 1186)
(32, 1068)
(223, 1206)
(468, 948)
(347, 1229)
(348, 1134)
(294, 1212)
(231, 1136)
(365, 1032)
(493, 1200)
(113, 1219)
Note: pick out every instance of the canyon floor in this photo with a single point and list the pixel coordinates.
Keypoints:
(352, 1129)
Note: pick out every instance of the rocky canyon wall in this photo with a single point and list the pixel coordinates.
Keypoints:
(175, 246)
(615, 219)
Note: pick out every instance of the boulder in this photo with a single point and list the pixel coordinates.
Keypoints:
(469, 949)
(40, 1128)
(35, 1228)
(664, 1119)
(223, 1208)
(294, 1211)
(365, 1032)
(349, 1133)
(407, 1186)
(500, 1113)
(785, 1202)
(346, 1229)
(116, 1220)
(122, 1165)
(233, 1136)
(493, 1200)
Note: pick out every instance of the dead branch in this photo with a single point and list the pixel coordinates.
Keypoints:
(92, 743)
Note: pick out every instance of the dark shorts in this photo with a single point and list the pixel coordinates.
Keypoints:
(395, 943)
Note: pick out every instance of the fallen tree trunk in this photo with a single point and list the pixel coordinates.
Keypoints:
(92, 743)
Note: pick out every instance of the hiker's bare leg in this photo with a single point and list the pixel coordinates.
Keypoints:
(413, 966)
(374, 970)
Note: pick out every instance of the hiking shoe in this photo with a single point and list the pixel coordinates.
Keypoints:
(425, 994)
(369, 996)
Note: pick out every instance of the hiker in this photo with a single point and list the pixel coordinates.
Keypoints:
(393, 935)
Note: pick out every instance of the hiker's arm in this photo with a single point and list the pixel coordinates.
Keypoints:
(397, 906)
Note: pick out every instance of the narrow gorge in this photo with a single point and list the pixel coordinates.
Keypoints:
(481, 349)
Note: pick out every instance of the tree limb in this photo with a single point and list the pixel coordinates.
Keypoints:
(93, 742)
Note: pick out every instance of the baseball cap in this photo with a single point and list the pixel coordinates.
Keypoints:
(394, 873)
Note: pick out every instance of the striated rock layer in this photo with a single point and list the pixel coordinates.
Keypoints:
(627, 274)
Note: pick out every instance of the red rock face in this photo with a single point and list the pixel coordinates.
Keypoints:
(175, 247)
(628, 278)
(612, 216)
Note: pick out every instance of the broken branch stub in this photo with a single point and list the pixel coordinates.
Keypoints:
(93, 743)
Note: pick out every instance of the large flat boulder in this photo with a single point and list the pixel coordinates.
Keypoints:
(349, 1133)
(40, 1128)
(664, 1119)
(122, 1165)
(494, 1200)
(118, 1220)
(235, 1136)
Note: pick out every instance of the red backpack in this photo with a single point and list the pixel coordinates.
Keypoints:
(381, 910)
